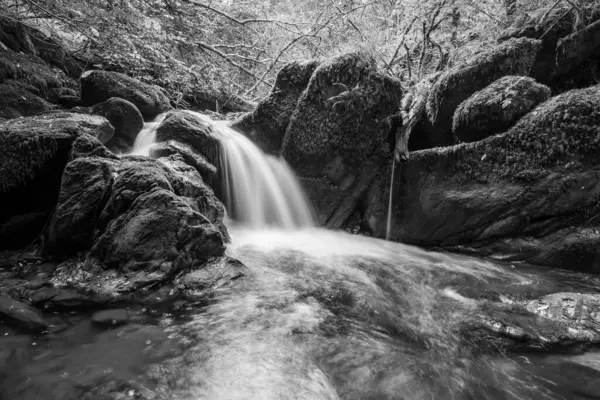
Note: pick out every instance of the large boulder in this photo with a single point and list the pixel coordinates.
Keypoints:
(35, 151)
(530, 194)
(99, 86)
(190, 129)
(497, 107)
(341, 129)
(34, 75)
(513, 57)
(122, 115)
(171, 147)
(18, 102)
(569, 55)
(266, 125)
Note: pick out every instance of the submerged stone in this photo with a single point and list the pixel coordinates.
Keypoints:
(115, 317)
(22, 315)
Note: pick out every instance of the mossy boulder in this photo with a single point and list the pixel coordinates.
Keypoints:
(165, 149)
(190, 129)
(35, 151)
(99, 86)
(341, 129)
(266, 125)
(568, 58)
(122, 115)
(34, 75)
(515, 194)
(18, 102)
(497, 107)
(513, 57)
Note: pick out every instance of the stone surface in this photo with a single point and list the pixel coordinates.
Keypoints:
(17, 102)
(114, 317)
(497, 107)
(165, 149)
(123, 116)
(99, 86)
(267, 123)
(530, 194)
(20, 314)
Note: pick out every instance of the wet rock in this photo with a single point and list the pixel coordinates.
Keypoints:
(159, 227)
(190, 156)
(89, 146)
(192, 130)
(123, 116)
(35, 151)
(85, 190)
(339, 132)
(497, 107)
(100, 86)
(118, 145)
(213, 275)
(34, 75)
(16, 102)
(267, 123)
(115, 317)
(511, 193)
(513, 57)
(21, 315)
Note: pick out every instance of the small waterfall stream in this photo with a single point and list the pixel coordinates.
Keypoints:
(319, 315)
(388, 227)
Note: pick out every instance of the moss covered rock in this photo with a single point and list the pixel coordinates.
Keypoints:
(266, 125)
(568, 58)
(341, 130)
(99, 86)
(513, 57)
(190, 129)
(497, 107)
(123, 116)
(166, 149)
(35, 151)
(532, 193)
(18, 102)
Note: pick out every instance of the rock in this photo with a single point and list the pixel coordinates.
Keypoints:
(192, 130)
(568, 58)
(123, 116)
(342, 113)
(118, 145)
(21, 315)
(190, 156)
(158, 228)
(13, 34)
(266, 125)
(513, 57)
(497, 107)
(222, 102)
(16, 102)
(69, 101)
(115, 317)
(33, 74)
(512, 193)
(89, 146)
(35, 151)
(341, 129)
(99, 86)
(213, 275)
(85, 190)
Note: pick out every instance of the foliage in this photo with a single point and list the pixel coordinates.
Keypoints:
(238, 47)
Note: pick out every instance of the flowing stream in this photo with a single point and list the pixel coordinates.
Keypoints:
(320, 315)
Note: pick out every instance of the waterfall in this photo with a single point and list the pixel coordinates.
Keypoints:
(388, 227)
(147, 136)
(259, 190)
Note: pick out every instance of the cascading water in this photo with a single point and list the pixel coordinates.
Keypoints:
(147, 136)
(319, 315)
(388, 227)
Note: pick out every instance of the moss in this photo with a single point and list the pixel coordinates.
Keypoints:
(16, 101)
(561, 133)
(514, 57)
(266, 125)
(576, 48)
(344, 112)
(497, 107)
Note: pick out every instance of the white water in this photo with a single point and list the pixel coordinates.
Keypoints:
(388, 227)
(147, 136)
(260, 190)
